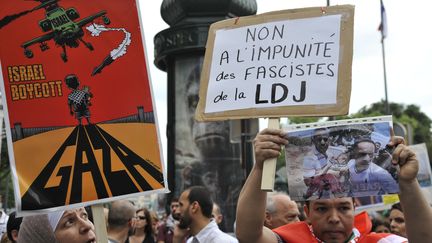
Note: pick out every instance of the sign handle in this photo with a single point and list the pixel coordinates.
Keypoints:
(269, 167)
(99, 223)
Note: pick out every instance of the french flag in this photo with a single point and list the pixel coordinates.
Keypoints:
(383, 25)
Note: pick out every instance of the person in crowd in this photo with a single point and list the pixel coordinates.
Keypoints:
(397, 220)
(195, 208)
(143, 228)
(5, 239)
(155, 223)
(280, 210)
(13, 226)
(3, 221)
(217, 215)
(380, 226)
(330, 220)
(69, 226)
(166, 230)
(366, 177)
(121, 218)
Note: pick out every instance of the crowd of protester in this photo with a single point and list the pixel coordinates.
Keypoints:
(129, 224)
(194, 217)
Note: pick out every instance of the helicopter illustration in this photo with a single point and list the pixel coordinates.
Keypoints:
(61, 25)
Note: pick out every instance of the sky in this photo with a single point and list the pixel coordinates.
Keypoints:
(407, 49)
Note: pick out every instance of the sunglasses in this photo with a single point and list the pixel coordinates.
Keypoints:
(319, 138)
(141, 217)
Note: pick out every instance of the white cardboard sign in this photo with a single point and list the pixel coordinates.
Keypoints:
(279, 61)
(266, 65)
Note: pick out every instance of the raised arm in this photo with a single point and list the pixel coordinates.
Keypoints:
(252, 200)
(417, 212)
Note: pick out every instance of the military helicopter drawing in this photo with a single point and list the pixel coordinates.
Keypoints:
(61, 25)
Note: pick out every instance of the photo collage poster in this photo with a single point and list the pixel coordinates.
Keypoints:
(347, 158)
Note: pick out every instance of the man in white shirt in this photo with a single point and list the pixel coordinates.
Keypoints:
(314, 165)
(195, 207)
(366, 177)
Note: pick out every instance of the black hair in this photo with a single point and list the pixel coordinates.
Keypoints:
(148, 229)
(323, 129)
(202, 196)
(13, 223)
(72, 81)
(397, 206)
(354, 148)
(362, 140)
(377, 222)
(307, 203)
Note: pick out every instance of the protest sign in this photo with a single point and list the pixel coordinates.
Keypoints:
(340, 158)
(293, 62)
(79, 110)
(375, 203)
(424, 176)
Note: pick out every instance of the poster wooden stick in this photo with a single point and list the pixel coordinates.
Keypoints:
(99, 223)
(269, 168)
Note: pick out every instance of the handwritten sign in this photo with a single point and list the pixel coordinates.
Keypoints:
(294, 62)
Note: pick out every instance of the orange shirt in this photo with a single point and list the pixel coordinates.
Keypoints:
(301, 232)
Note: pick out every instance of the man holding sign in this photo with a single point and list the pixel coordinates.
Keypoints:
(331, 220)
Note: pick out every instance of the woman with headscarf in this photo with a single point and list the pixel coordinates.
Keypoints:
(70, 226)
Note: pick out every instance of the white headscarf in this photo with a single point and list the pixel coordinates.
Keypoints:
(39, 228)
(54, 218)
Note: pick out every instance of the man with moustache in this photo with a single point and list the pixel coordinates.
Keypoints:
(329, 220)
(166, 230)
(195, 207)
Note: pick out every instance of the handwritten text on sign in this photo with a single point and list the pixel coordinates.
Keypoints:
(283, 63)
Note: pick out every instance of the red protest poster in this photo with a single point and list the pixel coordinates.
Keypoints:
(78, 105)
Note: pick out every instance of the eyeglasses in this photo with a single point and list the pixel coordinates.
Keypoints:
(141, 217)
(319, 138)
(361, 154)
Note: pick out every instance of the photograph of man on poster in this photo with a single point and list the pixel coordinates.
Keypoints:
(339, 161)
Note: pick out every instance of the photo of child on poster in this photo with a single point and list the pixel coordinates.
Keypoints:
(340, 159)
